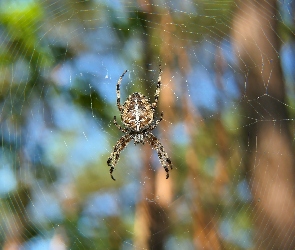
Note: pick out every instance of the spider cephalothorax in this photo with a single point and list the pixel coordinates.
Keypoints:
(137, 115)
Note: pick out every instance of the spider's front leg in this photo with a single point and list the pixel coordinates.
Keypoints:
(163, 156)
(118, 91)
(120, 145)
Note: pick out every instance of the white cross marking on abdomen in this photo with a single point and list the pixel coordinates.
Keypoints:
(137, 115)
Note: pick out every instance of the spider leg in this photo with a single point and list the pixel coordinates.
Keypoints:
(163, 156)
(124, 130)
(118, 90)
(154, 104)
(153, 126)
(120, 145)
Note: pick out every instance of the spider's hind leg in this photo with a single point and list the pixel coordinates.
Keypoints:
(118, 90)
(124, 130)
(113, 159)
(153, 126)
(154, 104)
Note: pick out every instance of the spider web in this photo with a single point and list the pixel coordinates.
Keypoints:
(60, 62)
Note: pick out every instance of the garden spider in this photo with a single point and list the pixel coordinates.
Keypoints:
(137, 115)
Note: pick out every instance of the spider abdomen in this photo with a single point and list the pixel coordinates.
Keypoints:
(137, 112)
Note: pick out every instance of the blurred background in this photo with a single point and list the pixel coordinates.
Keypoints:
(228, 101)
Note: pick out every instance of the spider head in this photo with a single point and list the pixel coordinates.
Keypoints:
(138, 138)
(137, 113)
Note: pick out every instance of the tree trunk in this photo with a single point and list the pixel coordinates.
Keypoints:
(152, 223)
(270, 157)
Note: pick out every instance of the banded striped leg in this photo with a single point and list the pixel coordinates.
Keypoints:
(153, 126)
(124, 130)
(154, 104)
(113, 159)
(118, 91)
(157, 145)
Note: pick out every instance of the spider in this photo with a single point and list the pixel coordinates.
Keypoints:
(137, 115)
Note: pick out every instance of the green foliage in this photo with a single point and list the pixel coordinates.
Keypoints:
(23, 24)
